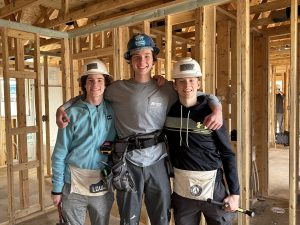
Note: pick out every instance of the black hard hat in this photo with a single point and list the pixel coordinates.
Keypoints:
(138, 42)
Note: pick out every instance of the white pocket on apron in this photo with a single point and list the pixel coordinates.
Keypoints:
(198, 185)
(82, 179)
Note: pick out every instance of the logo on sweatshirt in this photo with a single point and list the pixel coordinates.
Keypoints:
(109, 117)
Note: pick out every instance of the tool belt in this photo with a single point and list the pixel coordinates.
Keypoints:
(145, 140)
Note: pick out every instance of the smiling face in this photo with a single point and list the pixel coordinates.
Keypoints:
(95, 85)
(142, 62)
(187, 87)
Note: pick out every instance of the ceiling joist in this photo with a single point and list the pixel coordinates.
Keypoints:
(88, 11)
(18, 5)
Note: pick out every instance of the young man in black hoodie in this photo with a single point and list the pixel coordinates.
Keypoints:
(199, 155)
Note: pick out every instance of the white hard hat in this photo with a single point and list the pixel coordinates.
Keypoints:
(94, 66)
(186, 67)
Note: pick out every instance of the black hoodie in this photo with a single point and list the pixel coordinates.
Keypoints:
(194, 147)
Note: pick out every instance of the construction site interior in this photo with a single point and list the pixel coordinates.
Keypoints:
(246, 49)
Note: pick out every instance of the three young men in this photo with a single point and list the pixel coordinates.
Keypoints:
(140, 108)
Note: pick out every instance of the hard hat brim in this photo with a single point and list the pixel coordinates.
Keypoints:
(154, 49)
(187, 75)
(93, 73)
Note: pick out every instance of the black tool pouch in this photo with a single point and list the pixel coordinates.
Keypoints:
(121, 178)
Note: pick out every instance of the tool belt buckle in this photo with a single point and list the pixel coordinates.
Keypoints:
(136, 142)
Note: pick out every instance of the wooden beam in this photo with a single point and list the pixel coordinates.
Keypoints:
(120, 39)
(176, 37)
(286, 85)
(24, 130)
(7, 101)
(294, 117)
(233, 81)
(210, 49)
(230, 15)
(200, 43)
(168, 48)
(269, 6)
(65, 5)
(89, 11)
(183, 17)
(65, 51)
(21, 74)
(151, 14)
(26, 166)
(277, 31)
(98, 52)
(18, 5)
(223, 68)
(20, 34)
(21, 118)
(26, 27)
(38, 111)
(47, 114)
(259, 104)
(244, 125)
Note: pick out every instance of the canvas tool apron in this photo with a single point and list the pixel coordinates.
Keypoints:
(82, 179)
(198, 185)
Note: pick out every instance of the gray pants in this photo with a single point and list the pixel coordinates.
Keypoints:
(75, 207)
(152, 183)
(188, 211)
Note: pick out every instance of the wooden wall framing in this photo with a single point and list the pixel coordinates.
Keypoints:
(22, 129)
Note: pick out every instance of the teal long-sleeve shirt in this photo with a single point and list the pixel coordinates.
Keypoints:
(79, 143)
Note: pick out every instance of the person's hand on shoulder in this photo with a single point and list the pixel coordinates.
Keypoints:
(160, 80)
(214, 120)
(62, 119)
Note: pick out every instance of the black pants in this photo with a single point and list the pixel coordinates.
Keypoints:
(153, 185)
(188, 211)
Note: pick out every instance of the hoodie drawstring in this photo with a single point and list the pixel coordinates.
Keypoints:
(187, 129)
(180, 124)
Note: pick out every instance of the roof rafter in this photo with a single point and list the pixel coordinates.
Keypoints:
(88, 12)
(269, 6)
(18, 5)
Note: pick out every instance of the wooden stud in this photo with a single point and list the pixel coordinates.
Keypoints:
(9, 159)
(205, 31)
(120, 38)
(294, 117)
(21, 119)
(287, 97)
(200, 43)
(168, 47)
(47, 122)
(259, 105)
(146, 27)
(271, 106)
(66, 69)
(223, 68)
(38, 112)
(233, 81)
(244, 126)
(72, 83)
